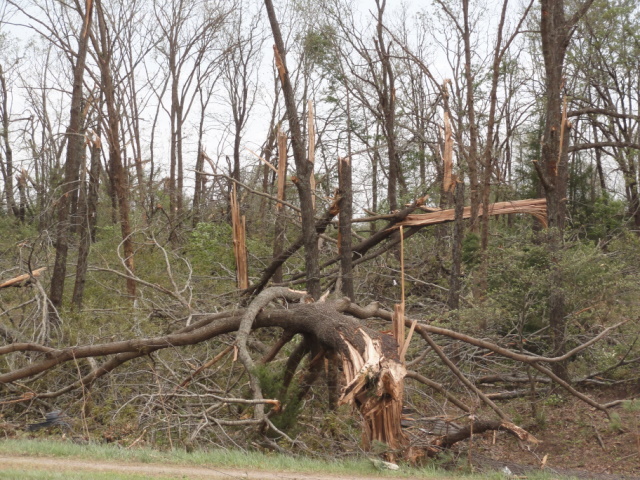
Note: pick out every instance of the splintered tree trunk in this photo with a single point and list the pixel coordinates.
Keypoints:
(375, 385)
(239, 242)
(372, 365)
(373, 370)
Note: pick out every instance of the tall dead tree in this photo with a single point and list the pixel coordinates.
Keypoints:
(75, 150)
(6, 163)
(186, 33)
(387, 101)
(90, 209)
(555, 34)
(239, 66)
(369, 75)
(119, 177)
(304, 169)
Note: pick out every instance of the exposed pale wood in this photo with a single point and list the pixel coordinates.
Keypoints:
(563, 125)
(381, 411)
(282, 70)
(398, 325)
(407, 341)
(239, 242)
(268, 164)
(21, 278)
(536, 207)
(282, 166)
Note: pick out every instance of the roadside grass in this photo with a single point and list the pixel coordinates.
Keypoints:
(67, 475)
(347, 468)
(220, 458)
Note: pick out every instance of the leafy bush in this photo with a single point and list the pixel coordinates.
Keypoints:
(210, 244)
(272, 384)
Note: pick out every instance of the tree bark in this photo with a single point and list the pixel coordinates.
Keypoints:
(304, 169)
(555, 34)
(120, 177)
(88, 226)
(75, 146)
(455, 281)
(6, 166)
(344, 229)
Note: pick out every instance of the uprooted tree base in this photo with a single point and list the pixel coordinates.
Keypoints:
(373, 372)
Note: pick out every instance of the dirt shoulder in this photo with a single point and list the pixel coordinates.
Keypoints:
(161, 470)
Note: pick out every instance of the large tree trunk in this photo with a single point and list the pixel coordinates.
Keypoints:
(555, 32)
(75, 146)
(373, 370)
(344, 229)
(304, 169)
(120, 178)
(88, 226)
(455, 280)
(472, 156)
(281, 221)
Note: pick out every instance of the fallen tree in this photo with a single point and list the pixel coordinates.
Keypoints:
(373, 369)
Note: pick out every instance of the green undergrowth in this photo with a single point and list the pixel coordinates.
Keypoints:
(233, 459)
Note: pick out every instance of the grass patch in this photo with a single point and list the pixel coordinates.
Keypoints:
(219, 458)
(67, 475)
(232, 459)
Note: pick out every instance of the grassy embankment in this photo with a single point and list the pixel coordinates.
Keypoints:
(215, 458)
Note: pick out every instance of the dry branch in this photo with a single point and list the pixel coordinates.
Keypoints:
(320, 226)
(480, 426)
(311, 155)
(22, 280)
(439, 388)
(246, 324)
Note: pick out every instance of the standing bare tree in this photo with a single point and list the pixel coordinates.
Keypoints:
(239, 71)
(187, 30)
(304, 169)
(75, 151)
(103, 45)
(556, 30)
(6, 152)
